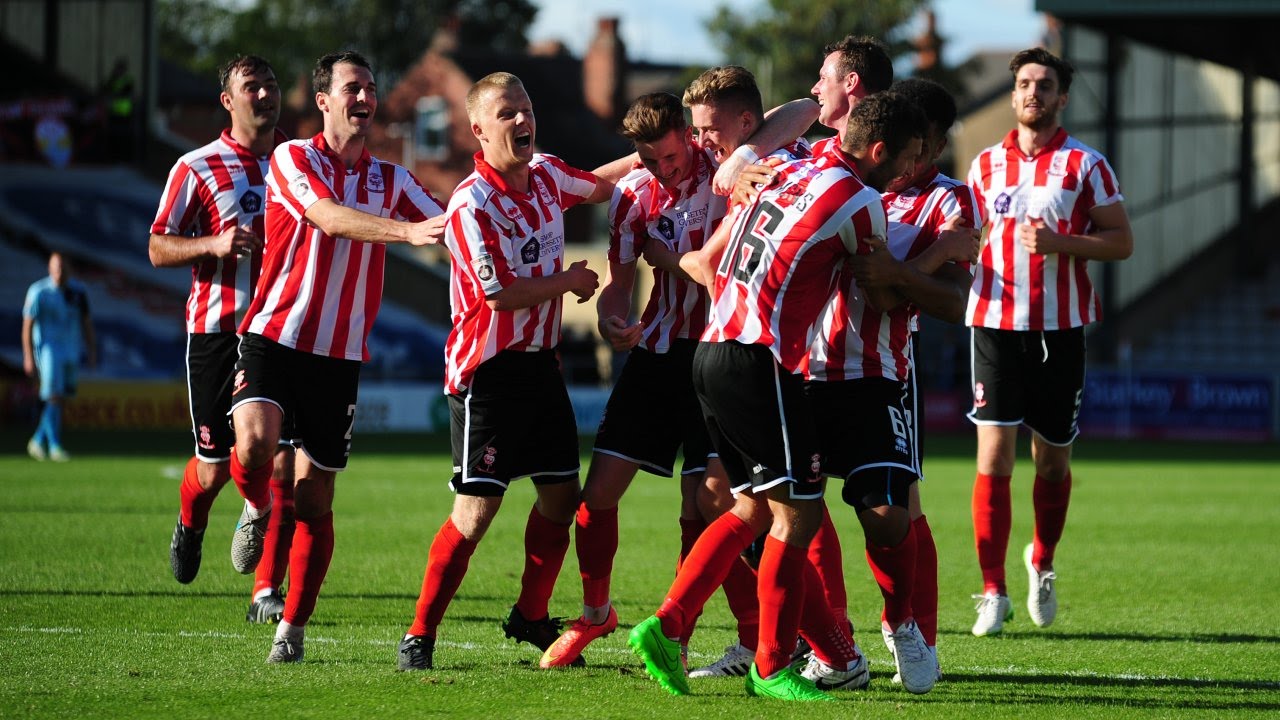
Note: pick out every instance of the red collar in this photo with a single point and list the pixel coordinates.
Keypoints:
(323, 146)
(1059, 139)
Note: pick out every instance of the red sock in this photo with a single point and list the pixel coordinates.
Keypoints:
(781, 591)
(312, 550)
(740, 590)
(828, 561)
(992, 520)
(1050, 500)
(278, 540)
(254, 485)
(924, 600)
(703, 571)
(895, 572)
(596, 542)
(194, 501)
(545, 545)
(826, 632)
(447, 562)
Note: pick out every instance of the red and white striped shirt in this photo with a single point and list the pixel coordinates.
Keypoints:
(1013, 289)
(318, 293)
(210, 189)
(780, 267)
(857, 341)
(682, 220)
(496, 234)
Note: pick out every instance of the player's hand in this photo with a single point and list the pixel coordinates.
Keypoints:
(958, 242)
(428, 232)
(751, 180)
(876, 269)
(29, 366)
(584, 281)
(619, 334)
(1036, 237)
(236, 240)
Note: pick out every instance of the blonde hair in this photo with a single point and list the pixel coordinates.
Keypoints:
(729, 87)
(492, 81)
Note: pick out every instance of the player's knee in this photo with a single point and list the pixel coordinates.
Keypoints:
(886, 525)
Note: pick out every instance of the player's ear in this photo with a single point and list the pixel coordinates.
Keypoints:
(878, 152)
(225, 99)
(322, 102)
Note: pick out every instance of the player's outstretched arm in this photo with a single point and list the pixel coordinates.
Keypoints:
(614, 171)
(782, 125)
(340, 221)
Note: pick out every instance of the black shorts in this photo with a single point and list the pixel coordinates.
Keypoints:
(317, 395)
(211, 362)
(758, 419)
(653, 412)
(867, 438)
(1029, 377)
(914, 406)
(514, 421)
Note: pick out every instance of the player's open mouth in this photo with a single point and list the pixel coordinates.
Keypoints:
(362, 113)
(524, 141)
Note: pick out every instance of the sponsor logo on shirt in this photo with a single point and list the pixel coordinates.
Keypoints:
(251, 203)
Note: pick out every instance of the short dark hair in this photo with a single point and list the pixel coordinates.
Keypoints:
(867, 56)
(731, 87)
(1040, 56)
(322, 75)
(241, 65)
(938, 106)
(652, 116)
(887, 117)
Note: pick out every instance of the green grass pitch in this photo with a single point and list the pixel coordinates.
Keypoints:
(1169, 585)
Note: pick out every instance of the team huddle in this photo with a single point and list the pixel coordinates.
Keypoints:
(788, 281)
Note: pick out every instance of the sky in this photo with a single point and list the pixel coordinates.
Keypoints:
(673, 30)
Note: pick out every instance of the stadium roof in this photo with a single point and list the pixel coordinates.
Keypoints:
(1236, 33)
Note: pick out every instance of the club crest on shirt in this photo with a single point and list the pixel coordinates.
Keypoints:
(543, 192)
(250, 203)
(483, 265)
(375, 182)
(666, 227)
(300, 188)
(1001, 205)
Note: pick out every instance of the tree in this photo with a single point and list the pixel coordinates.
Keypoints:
(782, 42)
(201, 34)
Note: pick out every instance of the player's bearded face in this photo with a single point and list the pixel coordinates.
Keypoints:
(1036, 97)
(930, 148)
(507, 128)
